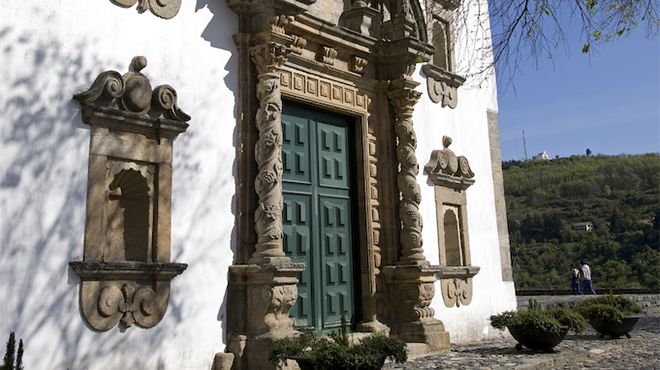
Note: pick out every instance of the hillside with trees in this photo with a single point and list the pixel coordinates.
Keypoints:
(619, 195)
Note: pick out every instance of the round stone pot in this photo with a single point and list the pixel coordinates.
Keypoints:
(538, 341)
(615, 329)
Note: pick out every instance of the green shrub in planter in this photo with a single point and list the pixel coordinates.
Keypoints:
(611, 315)
(608, 308)
(539, 328)
(537, 319)
(335, 352)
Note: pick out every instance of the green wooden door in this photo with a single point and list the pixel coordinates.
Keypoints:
(318, 214)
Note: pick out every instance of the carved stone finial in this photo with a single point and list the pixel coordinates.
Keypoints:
(132, 94)
(446, 141)
(138, 63)
(165, 9)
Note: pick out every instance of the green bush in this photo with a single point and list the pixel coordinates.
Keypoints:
(538, 320)
(608, 308)
(335, 352)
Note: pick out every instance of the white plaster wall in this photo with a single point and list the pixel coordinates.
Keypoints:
(48, 51)
(467, 125)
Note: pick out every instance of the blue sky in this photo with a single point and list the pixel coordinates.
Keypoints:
(608, 101)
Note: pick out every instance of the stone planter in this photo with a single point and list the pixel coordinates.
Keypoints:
(615, 329)
(539, 341)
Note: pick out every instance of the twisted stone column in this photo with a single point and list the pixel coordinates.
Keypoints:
(403, 98)
(268, 58)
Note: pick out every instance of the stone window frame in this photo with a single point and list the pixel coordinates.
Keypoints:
(441, 79)
(451, 176)
(126, 281)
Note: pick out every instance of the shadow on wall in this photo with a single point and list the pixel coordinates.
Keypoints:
(43, 179)
(42, 193)
(215, 33)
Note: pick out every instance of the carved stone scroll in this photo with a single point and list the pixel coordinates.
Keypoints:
(403, 98)
(442, 85)
(162, 8)
(126, 270)
(268, 58)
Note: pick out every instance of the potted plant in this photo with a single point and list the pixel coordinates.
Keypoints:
(332, 352)
(539, 328)
(610, 315)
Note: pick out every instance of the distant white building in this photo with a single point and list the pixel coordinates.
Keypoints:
(542, 156)
(584, 227)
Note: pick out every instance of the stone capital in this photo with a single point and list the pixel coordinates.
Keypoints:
(269, 57)
(403, 95)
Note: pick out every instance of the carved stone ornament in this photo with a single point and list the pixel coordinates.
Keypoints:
(162, 8)
(268, 58)
(449, 4)
(327, 55)
(126, 270)
(442, 85)
(446, 169)
(358, 64)
(412, 318)
(451, 176)
(456, 283)
(403, 98)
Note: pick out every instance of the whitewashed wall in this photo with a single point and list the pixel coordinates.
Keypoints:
(467, 125)
(48, 51)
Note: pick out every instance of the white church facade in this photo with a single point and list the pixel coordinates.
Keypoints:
(182, 182)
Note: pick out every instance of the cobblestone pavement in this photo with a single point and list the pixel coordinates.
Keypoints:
(583, 351)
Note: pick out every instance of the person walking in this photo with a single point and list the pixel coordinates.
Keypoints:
(586, 279)
(575, 280)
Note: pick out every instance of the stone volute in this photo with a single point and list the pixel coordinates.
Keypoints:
(126, 270)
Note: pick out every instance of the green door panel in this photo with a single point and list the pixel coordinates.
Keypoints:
(318, 214)
(297, 241)
(337, 284)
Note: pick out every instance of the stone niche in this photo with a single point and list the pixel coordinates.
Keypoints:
(441, 81)
(451, 176)
(126, 270)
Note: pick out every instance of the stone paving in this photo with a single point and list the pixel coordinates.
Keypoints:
(583, 351)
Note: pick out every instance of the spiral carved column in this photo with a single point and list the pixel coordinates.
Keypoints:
(403, 98)
(268, 58)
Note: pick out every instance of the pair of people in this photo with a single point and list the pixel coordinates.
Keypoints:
(581, 276)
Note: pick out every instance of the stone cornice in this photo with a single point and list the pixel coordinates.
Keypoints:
(250, 7)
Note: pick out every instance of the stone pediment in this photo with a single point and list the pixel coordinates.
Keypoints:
(446, 169)
(127, 102)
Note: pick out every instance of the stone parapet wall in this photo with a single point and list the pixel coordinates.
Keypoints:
(649, 302)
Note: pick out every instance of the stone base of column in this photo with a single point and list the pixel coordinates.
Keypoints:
(410, 292)
(259, 300)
